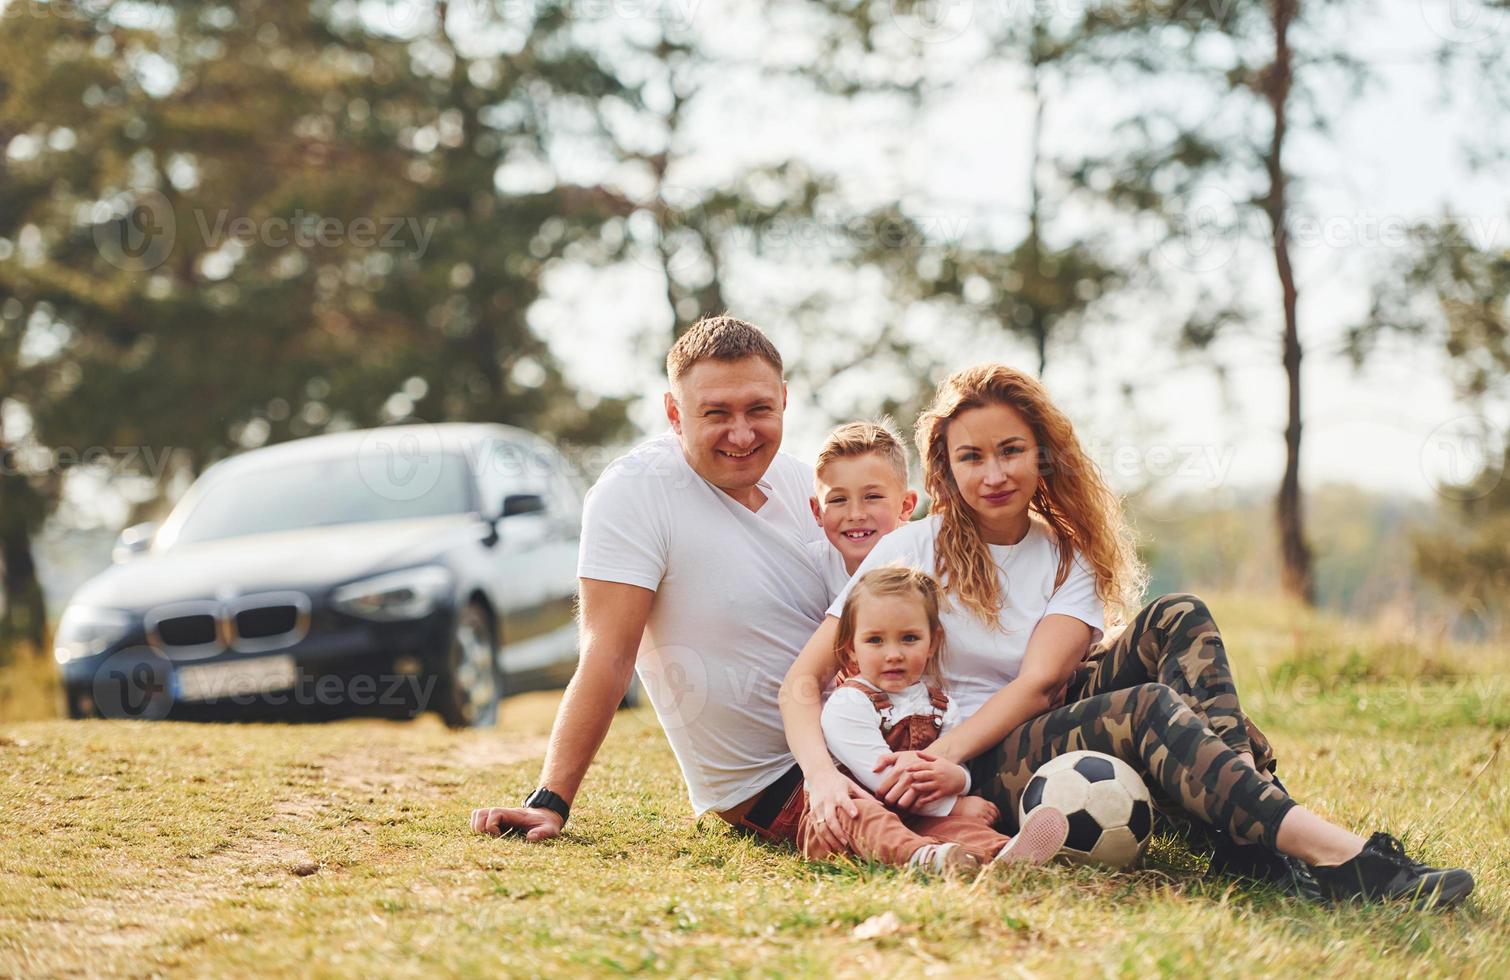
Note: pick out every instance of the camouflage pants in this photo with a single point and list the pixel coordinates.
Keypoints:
(1160, 697)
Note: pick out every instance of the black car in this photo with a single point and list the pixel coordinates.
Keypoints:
(409, 567)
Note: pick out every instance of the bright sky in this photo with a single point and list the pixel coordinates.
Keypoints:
(1396, 157)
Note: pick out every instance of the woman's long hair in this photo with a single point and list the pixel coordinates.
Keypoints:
(1081, 511)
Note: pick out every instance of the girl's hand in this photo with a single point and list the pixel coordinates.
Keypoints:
(917, 779)
(828, 792)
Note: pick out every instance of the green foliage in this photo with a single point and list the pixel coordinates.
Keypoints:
(1453, 292)
(230, 125)
(1042, 287)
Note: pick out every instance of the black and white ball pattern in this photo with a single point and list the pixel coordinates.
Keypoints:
(1108, 806)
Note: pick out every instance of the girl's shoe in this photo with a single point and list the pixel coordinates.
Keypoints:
(945, 860)
(1039, 839)
(1382, 870)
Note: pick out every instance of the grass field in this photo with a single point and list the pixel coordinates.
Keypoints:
(342, 849)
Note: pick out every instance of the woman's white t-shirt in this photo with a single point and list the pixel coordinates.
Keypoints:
(978, 658)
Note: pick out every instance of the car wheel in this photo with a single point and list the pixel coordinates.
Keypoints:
(470, 682)
(75, 703)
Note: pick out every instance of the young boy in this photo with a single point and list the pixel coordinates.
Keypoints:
(861, 494)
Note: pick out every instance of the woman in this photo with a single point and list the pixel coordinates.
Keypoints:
(1031, 547)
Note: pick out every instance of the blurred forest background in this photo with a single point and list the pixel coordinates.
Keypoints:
(229, 224)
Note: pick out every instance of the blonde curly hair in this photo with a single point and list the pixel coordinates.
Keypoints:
(1072, 499)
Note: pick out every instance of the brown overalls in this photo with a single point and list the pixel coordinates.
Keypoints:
(881, 834)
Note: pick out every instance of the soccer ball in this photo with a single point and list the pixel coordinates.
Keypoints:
(1110, 814)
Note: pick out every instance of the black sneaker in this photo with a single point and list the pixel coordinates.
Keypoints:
(1257, 863)
(1382, 870)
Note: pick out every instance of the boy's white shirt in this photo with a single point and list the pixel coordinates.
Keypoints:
(830, 565)
(852, 729)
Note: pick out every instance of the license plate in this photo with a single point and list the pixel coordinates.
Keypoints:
(257, 675)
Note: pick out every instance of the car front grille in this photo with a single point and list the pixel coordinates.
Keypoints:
(247, 624)
(254, 624)
(187, 631)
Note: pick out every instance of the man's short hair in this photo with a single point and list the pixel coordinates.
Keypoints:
(858, 438)
(720, 338)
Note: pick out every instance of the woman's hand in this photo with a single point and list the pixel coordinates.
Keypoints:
(918, 778)
(828, 792)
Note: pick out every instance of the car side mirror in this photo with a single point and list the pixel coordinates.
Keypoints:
(522, 503)
(134, 541)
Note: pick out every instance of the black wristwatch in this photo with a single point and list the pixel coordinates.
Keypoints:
(546, 800)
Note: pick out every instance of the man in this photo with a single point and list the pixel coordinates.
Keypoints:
(694, 562)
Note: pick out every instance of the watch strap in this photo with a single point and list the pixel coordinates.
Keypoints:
(544, 799)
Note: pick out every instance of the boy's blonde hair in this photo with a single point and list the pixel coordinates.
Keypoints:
(859, 438)
(890, 580)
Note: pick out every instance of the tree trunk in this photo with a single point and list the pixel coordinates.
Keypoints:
(1039, 325)
(1296, 553)
(25, 617)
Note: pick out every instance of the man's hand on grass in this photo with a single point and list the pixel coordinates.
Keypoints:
(533, 823)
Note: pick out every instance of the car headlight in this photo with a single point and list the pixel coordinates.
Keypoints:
(410, 594)
(88, 630)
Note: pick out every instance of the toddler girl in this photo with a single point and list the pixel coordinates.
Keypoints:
(892, 701)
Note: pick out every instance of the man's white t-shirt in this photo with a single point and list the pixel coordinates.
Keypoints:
(736, 598)
(978, 658)
(830, 565)
(852, 729)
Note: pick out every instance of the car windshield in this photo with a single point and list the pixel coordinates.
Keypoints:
(334, 490)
